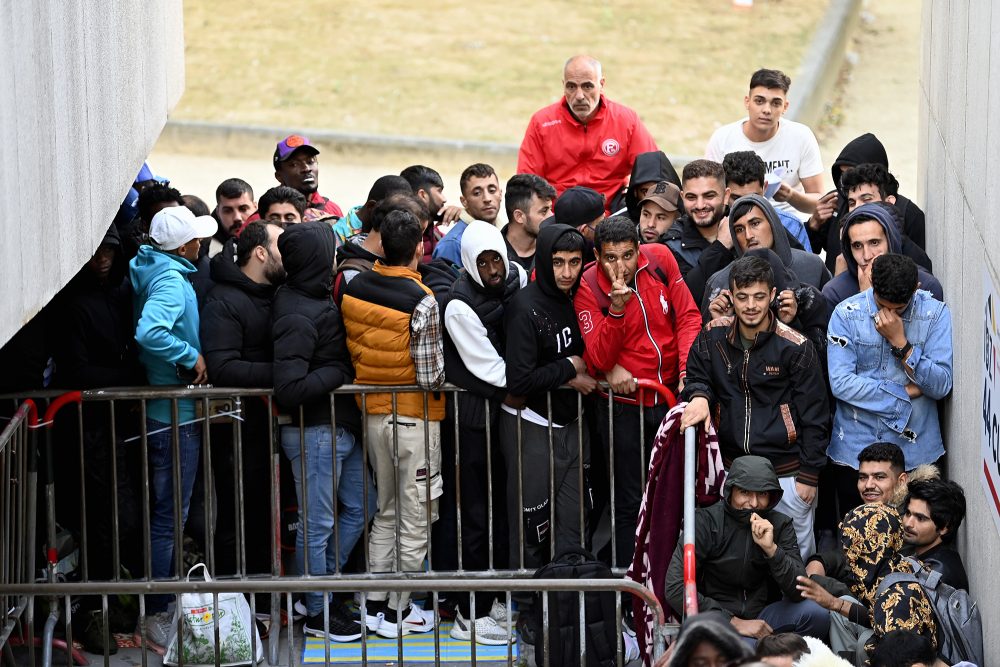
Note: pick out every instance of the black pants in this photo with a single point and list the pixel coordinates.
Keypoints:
(631, 460)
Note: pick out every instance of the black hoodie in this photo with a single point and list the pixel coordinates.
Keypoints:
(651, 167)
(733, 574)
(236, 325)
(310, 347)
(542, 333)
(867, 149)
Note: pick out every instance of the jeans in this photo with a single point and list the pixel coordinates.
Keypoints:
(163, 525)
(326, 465)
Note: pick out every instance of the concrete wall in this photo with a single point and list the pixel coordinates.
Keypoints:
(85, 88)
(959, 163)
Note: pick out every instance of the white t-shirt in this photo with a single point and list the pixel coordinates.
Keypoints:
(793, 148)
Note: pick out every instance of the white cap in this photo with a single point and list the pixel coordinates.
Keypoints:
(176, 225)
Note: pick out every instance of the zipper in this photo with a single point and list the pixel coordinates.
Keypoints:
(746, 557)
(746, 399)
(649, 334)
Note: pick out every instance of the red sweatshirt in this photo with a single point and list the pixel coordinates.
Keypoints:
(652, 338)
(599, 155)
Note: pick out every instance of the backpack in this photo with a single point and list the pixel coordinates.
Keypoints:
(602, 636)
(959, 623)
(603, 300)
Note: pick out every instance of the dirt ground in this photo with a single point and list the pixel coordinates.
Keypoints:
(458, 70)
(878, 95)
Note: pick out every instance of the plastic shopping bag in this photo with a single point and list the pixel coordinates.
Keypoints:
(196, 640)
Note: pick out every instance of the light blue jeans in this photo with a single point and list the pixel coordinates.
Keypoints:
(327, 463)
(161, 522)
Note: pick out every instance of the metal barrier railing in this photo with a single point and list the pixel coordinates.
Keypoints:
(134, 402)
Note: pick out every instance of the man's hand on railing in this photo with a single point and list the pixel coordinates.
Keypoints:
(696, 413)
(621, 381)
(583, 383)
(511, 401)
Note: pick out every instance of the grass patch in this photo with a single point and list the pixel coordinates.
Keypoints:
(454, 69)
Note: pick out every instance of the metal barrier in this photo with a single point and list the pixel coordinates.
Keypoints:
(501, 574)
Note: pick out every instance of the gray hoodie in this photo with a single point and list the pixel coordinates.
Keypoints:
(807, 267)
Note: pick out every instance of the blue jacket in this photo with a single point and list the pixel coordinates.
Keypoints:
(869, 383)
(167, 323)
(450, 247)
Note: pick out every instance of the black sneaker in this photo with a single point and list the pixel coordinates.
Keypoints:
(341, 627)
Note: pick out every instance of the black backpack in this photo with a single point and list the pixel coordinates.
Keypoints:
(959, 623)
(601, 636)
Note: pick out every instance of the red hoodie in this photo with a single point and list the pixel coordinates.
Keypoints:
(598, 155)
(652, 338)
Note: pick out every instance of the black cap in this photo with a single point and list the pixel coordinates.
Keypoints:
(579, 205)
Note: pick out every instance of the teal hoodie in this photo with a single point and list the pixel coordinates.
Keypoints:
(167, 326)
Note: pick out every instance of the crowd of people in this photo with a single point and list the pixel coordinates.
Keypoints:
(804, 328)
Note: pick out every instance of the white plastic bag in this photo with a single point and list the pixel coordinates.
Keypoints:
(196, 639)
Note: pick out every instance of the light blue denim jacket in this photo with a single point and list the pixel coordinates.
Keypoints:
(869, 384)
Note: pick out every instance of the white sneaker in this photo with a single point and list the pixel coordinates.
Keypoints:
(499, 612)
(160, 629)
(488, 631)
(373, 622)
(419, 620)
(629, 643)
(390, 630)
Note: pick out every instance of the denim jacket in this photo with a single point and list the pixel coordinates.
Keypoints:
(869, 384)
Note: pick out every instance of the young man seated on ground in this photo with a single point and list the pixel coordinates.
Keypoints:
(748, 560)
(932, 514)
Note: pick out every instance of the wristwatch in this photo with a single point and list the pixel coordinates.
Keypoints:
(901, 352)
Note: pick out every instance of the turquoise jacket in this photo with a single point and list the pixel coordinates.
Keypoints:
(167, 323)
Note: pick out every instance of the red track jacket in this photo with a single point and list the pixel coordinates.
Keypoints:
(599, 155)
(652, 339)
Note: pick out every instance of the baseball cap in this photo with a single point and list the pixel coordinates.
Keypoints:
(664, 194)
(579, 205)
(289, 145)
(174, 226)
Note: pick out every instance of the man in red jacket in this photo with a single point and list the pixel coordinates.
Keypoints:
(638, 321)
(584, 138)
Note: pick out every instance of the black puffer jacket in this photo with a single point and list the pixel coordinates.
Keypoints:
(310, 347)
(236, 325)
(733, 574)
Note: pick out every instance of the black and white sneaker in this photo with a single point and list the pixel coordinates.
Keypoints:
(341, 627)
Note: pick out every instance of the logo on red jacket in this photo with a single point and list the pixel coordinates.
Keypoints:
(610, 147)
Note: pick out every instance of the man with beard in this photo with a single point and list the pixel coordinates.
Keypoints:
(234, 207)
(529, 201)
(474, 349)
(933, 511)
(238, 348)
(481, 197)
(584, 138)
(763, 381)
(705, 197)
(296, 166)
(658, 211)
(426, 184)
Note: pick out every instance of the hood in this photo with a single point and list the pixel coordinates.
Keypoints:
(921, 472)
(752, 473)
(871, 536)
(780, 243)
(651, 167)
(544, 275)
(697, 629)
(307, 251)
(863, 150)
(784, 277)
(479, 237)
(150, 263)
(865, 212)
(119, 264)
(224, 270)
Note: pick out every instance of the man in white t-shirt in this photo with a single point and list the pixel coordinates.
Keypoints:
(789, 149)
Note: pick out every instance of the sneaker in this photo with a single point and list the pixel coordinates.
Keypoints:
(499, 612)
(160, 630)
(488, 631)
(630, 645)
(372, 621)
(95, 634)
(525, 629)
(340, 628)
(418, 620)
(390, 630)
